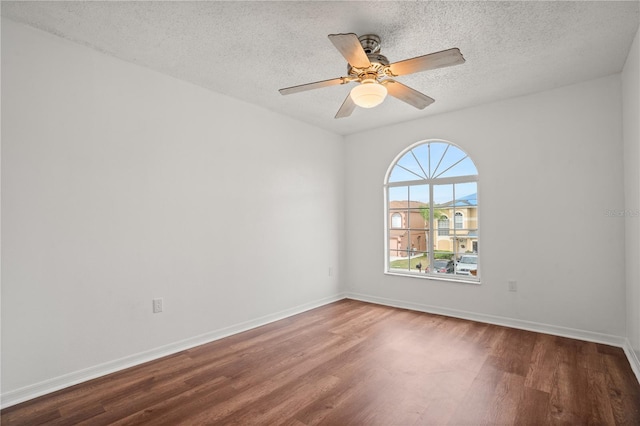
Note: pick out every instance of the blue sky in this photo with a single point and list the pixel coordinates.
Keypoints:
(432, 160)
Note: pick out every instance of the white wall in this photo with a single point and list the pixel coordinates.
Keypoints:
(549, 165)
(631, 130)
(120, 185)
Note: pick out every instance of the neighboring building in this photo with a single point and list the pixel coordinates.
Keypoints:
(457, 226)
(409, 229)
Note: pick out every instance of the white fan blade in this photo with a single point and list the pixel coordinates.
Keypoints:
(311, 86)
(347, 107)
(445, 58)
(407, 94)
(351, 49)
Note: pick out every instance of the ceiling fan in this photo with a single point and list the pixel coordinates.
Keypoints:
(372, 71)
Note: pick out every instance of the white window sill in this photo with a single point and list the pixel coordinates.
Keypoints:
(463, 279)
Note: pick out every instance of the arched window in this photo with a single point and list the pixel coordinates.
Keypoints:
(428, 183)
(458, 220)
(396, 220)
(443, 225)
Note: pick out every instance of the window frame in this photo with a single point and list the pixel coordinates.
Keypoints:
(431, 182)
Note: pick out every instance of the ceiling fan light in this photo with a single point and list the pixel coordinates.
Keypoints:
(368, 94)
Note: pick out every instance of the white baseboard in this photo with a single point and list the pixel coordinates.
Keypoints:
(33, 391)
(572, 333)
(632, 356)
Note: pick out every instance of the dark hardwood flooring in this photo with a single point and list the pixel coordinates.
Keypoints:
(354, 363)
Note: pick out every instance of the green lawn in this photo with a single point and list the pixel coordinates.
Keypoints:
(404, 263)
(424, 259)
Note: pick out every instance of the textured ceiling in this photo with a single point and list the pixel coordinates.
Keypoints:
(249, 50)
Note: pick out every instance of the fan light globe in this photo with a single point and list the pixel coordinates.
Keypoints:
(368, 94)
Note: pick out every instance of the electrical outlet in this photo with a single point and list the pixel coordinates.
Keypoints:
(330, 271)
(157, 305)
(513, 286)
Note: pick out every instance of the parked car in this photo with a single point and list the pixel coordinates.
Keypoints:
(466, 264)
(443, 266)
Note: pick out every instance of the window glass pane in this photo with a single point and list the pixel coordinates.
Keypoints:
(463, 168)
(399, 260)
(443, 215)
(398, 197)
(418, 219)
(419, 194)
(436, 153)
(465, 242)
(448, 162)
(413, 243)
(419, 262)
(398, 174)
(396, 249)
(409, 163)
(422, 154)
(466, 225)
(419, 240)
(467, 264)
(443, 266)
(443, 196)
(397, 193)
(466, 194)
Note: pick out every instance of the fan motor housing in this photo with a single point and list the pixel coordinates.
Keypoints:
(379, 64)
(370, 43)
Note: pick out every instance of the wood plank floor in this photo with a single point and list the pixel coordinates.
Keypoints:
(354, 363)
